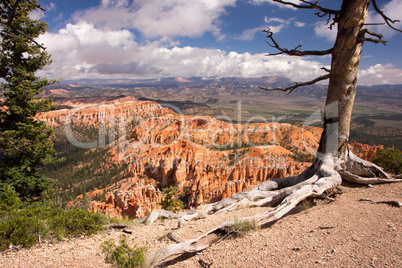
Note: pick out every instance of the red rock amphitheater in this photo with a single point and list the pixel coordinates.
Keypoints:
(195, 154)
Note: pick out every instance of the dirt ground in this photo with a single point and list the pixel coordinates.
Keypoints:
(343, 233)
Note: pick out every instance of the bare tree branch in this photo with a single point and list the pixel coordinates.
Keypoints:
(325, 69)
(290, 89)
(375, 23)
(362, 37)
(310, 5)
(36, 5)
(387, 20)
(297, 51)
(375, 41)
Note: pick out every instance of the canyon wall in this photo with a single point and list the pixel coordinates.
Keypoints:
(207, 159)
(123, 109)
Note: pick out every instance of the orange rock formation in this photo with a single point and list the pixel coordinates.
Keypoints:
(205, 158)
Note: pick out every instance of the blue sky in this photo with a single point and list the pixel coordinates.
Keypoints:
(116, 39)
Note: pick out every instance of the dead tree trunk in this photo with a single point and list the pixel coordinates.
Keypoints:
(341, 94)
(343, 76)
(334, 161)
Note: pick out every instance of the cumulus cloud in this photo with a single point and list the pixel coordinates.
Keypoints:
(380, 74)
(101, 45)
(83, 51)
(374, 71)
(159, 18)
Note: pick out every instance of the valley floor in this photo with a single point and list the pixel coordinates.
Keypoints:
(343, 233)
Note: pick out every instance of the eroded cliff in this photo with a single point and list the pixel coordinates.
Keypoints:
(206, 158)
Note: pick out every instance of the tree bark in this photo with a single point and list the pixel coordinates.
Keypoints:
(343, 77)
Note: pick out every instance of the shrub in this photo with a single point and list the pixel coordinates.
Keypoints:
(21, 228)
(9, 200)
(171, 201)
(123, 255)
(241, 227)
(389, 159)
(75, 222)
(25, 226)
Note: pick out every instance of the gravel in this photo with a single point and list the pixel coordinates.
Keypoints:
(342, 233)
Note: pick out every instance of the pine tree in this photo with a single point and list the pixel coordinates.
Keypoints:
(25, 144)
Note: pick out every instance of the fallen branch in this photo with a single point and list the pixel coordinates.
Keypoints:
(115, 225)
(393, 203)
(326, 227)
(204, 264)
(172, 237)
(127, 231)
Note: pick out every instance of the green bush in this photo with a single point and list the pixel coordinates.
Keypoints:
(22, 227)
(75, 222)
(389, 159)
(171, 201)
(25, 226)
(123, 255)
(8, 198)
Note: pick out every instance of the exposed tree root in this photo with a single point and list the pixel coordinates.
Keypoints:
(285, 194)
(357, 170)
(393, 203)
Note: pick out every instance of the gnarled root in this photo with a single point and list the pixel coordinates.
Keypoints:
(357, 170)
(262, 195)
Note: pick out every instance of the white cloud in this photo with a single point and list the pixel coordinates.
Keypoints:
(83, 51)
(114, 3)
(322, 29)
(38, 14)
(159, 18)
(249, 34)
(51, 6)
(274, 24)
(374, 71)
(99, 45)
(274, 19)
(380, 74)
(300, 24)
(391, 9)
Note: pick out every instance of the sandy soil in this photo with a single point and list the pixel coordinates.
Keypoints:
(342, 233)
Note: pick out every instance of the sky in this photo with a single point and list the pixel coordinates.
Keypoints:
(143, 39)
